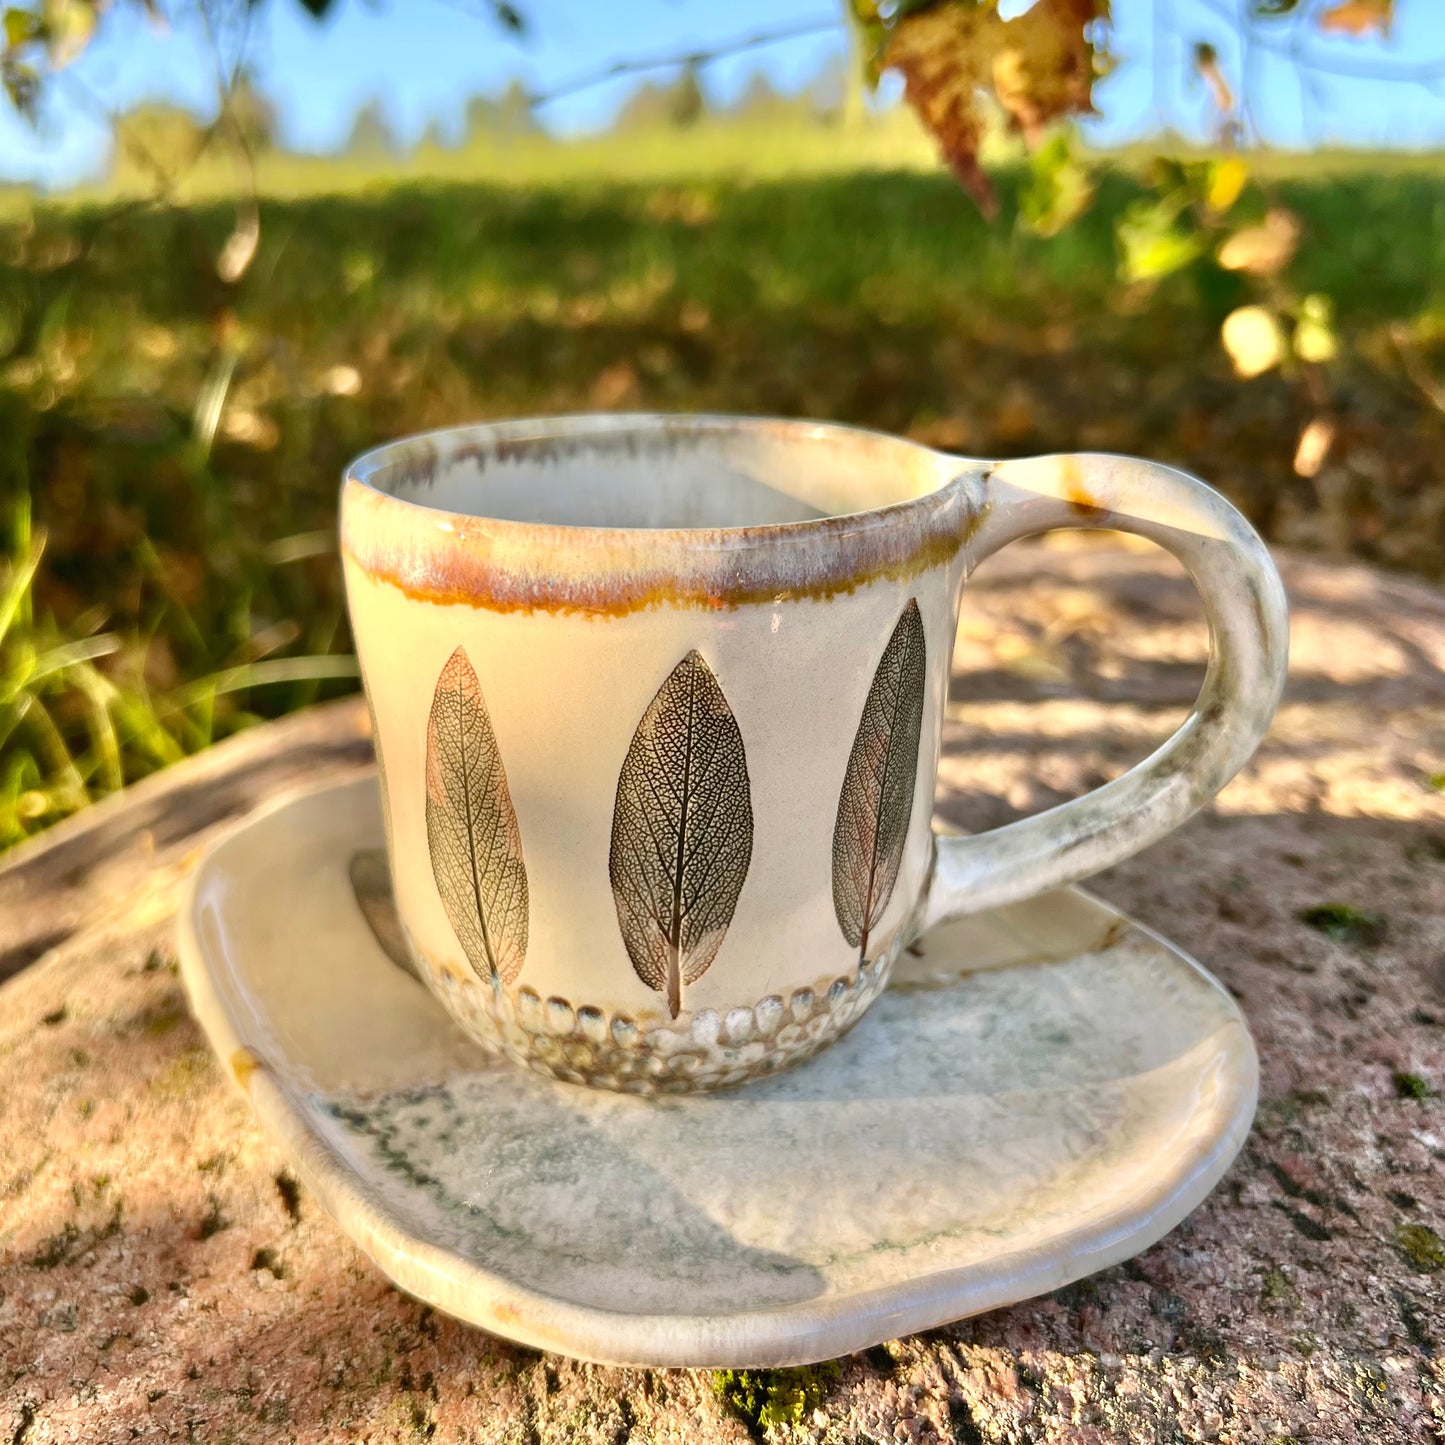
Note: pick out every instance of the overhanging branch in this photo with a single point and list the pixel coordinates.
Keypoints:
(639, 65)
(1420, 72)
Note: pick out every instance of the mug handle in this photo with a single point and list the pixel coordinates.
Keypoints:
(1248, 650)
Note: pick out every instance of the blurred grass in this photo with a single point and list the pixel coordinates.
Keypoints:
(170, 445)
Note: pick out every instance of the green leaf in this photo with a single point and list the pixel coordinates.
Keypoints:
(871, 33)
(21, 26)
(874, 35)
(1225, 180)
(69, 25)
(22, 85)
(1059, 187)
(1314, 332)
(1273, 9)
(1153, 243)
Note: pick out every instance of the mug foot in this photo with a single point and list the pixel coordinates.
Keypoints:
(582, 1044)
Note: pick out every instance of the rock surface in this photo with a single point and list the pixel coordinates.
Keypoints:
(163, 1276)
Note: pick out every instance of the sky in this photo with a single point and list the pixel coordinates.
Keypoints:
(422, 60)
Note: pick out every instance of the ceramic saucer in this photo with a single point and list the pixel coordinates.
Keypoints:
(1043, 1091)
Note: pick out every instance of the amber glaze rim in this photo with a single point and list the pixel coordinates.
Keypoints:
(453, 558)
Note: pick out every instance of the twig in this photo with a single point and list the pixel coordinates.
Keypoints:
(225, 86)
(634, 66)
(1432, 390)
(1160, 24)
(242, 46)
(1425, 72)
(1312, 95)
(1248, 75)
(137, 148)
(166, 181)
(502, 14)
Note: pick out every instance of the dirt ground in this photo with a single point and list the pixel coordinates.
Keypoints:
(162, 1275)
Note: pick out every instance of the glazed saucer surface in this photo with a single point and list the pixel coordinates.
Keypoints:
(1044, 1090)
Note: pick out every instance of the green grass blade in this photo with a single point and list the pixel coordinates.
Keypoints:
(268, 673)
(17, 585)
(73, 655)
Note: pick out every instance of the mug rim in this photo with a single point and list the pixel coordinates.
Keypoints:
(438, 555)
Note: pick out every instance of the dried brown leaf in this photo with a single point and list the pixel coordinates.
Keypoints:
(945, 56)
(1206, 61)
(1044, 70)
(1265, 249)
(1314, 446)
(1358, 18)
(240, 248)
(1040, 67)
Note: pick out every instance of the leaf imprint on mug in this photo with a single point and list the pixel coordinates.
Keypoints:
(878, 786)
(682, 831)
(471, 827)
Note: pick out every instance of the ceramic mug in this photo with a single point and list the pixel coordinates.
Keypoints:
(657, 703)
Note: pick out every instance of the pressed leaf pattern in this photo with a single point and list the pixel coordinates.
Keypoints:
(471, 827)
(877, 799)
(682, 831)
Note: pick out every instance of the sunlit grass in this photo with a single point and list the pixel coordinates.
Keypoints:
(78, 718)
(170, 445)
(716, 147)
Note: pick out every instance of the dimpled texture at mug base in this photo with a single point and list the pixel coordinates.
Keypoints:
(1043, 1091)
(583, 1044)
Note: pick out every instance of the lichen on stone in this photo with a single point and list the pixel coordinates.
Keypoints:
(1421, 1246)
(760, 1398)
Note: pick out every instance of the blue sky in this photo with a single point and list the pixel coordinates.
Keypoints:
(423, 58)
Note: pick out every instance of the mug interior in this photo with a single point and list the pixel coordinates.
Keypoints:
(655, 471)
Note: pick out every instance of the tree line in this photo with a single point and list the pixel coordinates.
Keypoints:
(174, 137)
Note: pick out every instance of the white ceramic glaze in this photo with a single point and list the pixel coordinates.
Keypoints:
(658, 704)
(1044, 1090)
